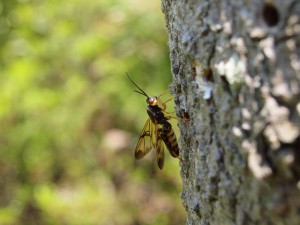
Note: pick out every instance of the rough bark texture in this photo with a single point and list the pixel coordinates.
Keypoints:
(236, 77)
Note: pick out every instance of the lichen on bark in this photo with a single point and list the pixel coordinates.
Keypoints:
(236, 73)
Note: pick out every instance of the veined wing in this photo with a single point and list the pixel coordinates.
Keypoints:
(145, 142)
(160, 150)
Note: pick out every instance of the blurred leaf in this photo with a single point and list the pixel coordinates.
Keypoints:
(70, 120)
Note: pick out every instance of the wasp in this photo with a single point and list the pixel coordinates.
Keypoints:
(157, 130)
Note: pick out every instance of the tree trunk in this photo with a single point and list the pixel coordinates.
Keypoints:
(236, 76)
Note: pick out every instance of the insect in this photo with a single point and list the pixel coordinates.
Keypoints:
(157, 130)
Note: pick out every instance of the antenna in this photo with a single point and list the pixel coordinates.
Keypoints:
(141, 91)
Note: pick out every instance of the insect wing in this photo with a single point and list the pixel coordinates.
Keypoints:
(160, 151)
(145, 142)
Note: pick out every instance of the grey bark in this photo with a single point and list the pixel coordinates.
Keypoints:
(236, 73)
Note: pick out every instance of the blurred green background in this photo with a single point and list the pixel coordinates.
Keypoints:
(69, 120)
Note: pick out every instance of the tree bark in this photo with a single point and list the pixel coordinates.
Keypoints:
(236, 73)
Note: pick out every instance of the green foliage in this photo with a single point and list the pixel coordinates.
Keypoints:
(69, 119)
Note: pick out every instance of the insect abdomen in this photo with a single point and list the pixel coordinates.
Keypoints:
(170, 140)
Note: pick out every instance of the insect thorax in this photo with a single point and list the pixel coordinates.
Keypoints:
(156, 115)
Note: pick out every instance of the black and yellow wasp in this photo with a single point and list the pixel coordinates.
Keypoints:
(156, 130)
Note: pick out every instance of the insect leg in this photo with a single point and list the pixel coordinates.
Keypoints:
(164, 104)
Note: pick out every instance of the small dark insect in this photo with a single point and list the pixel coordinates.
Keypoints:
(156, 130)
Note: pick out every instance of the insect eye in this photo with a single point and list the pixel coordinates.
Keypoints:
(152, 101)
